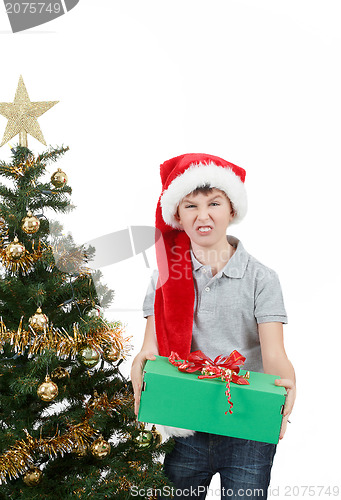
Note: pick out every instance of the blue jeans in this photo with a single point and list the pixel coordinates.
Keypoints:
(244, 466)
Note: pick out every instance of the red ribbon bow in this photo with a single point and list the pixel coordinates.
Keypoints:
(225, 367)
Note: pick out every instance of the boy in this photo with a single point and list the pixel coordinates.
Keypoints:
(213, 296)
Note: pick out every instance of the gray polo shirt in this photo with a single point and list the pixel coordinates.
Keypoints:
(229, 305)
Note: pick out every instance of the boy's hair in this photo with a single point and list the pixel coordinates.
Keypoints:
(202, 189)
(205, 189)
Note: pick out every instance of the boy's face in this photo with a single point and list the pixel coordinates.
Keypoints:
(205, 217)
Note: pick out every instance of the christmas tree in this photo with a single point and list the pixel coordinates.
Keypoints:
(68, 428)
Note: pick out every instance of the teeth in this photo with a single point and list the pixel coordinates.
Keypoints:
(204, 229)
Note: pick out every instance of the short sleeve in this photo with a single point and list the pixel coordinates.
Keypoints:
(269, 304)
(148, 303)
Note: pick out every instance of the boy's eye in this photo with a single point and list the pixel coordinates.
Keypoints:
(212, 203)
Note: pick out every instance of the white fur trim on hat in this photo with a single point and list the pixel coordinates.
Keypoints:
(200, 174)
(168, 431)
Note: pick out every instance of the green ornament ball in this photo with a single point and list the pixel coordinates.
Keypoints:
(143, 439)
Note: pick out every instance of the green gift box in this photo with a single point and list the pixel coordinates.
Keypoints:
(179, 399)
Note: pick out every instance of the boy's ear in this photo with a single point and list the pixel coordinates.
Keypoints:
(177, 217)
(233, 211)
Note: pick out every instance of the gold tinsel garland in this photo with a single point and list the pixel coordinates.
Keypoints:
(17, 460)
(3, 230)
(102, 402)
(19, 170)
(60, 341)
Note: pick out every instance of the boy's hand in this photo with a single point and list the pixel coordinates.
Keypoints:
(136, 375)
(289, 401)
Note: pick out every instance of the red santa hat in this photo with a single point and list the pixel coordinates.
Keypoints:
(174, 297)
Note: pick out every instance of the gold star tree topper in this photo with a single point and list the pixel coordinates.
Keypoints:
(22, 116)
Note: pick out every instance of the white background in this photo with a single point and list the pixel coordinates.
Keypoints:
(257, 83)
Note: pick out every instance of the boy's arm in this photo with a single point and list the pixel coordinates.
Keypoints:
(148, 350)
(276, 362)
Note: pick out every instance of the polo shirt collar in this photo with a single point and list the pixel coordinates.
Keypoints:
(235, 267)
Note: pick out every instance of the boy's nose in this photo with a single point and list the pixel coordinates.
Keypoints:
(203, 215)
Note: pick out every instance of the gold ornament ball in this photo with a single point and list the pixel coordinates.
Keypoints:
(30, 224)
(59, 178)
(32, 476)
(111, 354)
(60, 374)
(143, 439)
(15, 250)
(48, 390)
(38, 321)
(88, 356)
(100, 448)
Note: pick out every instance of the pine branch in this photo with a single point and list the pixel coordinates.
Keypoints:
(52, 154)
(8, 194)
(20, 153)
